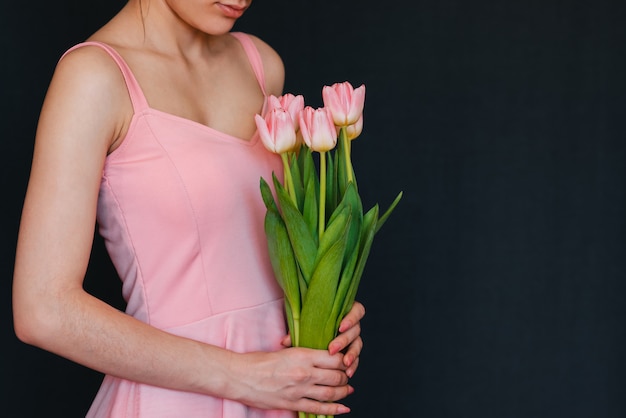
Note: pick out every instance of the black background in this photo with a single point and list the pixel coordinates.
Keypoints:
(497, 288)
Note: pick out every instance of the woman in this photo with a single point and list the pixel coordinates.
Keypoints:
(148, 129)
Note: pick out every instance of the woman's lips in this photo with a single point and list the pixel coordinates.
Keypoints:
(231, 10)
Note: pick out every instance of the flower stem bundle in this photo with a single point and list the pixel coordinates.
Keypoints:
(319, 237)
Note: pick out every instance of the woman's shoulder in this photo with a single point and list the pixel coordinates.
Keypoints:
(89, 62)
(273, 65)
(90, 68)
(88, 84)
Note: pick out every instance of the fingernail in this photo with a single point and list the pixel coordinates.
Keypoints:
(348, 360)
(343, 409)
(344, 326)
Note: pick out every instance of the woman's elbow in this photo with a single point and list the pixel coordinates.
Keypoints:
(34, 321)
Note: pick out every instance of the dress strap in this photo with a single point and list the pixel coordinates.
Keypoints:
(253, 56)
(134, 89)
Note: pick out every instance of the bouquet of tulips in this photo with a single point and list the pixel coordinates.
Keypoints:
(318, 236)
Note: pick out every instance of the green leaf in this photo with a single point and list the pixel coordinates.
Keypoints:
(344, 163)
(296, 176)
(335, 178)
(302, 155)
(319, 301)
(282, 258)
(365, 244)
(304, 286)
(311, 210)
(291, 324)
(268, 197)
(345, 280)
(337, 227)
(352, 199)
(342, 175)
(383, 218)
(309, 170)
(310, 181)
(331, 183)
(302, 241)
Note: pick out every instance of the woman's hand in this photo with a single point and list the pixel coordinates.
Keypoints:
(349, 338)
(295, 379)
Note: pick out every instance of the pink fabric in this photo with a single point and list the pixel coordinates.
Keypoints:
(182, 217)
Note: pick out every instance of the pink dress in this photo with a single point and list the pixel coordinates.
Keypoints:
(182, 217)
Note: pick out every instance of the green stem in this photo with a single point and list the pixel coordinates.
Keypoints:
(296, 332)
(346, 146)
(288, 178)
(322, 211)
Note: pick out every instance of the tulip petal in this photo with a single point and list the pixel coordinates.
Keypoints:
(264, 133)
(345, 103)
(303, 119)
(331, 101)
(276, 131)
(318, 129)
(353, 131)
(357, 102)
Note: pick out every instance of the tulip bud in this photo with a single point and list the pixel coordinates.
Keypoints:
(276, 130)
(290, 103)
(345, 102)
(293, 105)
(318, 129)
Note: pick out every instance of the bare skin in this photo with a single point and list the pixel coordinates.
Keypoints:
(181, 54)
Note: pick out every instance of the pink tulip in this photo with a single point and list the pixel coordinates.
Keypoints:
(318, 129)
(345, 102)
(276, 130)
(354, 130)
(289, 102)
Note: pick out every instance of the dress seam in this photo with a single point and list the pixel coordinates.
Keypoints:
(191, 208)
(129, 239)
(226, 313)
